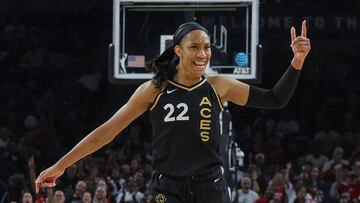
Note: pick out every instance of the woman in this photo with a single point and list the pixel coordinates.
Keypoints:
(301, 195)
(184, 109)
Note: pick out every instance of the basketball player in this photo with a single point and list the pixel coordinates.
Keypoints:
(184, 107)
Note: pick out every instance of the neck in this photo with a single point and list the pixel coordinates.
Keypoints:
(186, 78)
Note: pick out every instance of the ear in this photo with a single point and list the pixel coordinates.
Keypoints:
(178, 50)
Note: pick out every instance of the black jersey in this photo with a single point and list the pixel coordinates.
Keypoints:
(185, 122)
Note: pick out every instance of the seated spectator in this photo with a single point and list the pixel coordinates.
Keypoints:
(268, 195)
(68, 181)
(27, 198)
(58, 197)
(302, 196)
(343, 183)
(80, 188)
(280, 184)
(100, 195)
(261, 176)
(103, 183)
(134, 166)
(355, 192)
(86, 198)
(140, 181)
(124, 174)
(245, 194)
(319, 189)
(328, 172)
(338, 155)
(130, 192)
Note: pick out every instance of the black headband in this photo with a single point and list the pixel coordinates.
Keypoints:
(185, 29)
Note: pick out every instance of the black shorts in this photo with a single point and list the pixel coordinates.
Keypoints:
(210, 188)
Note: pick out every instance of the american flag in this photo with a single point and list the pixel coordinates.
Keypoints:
(136, 61)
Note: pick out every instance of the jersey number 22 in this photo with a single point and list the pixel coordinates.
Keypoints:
(181, 117)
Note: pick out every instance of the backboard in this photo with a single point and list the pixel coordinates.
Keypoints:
(142, 29)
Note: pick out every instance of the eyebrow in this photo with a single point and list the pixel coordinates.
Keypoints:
(197, 43)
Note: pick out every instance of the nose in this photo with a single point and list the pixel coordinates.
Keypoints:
(201, 53)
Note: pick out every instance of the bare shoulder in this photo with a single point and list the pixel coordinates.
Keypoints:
(148, 91)
(219, 83)
(138, 103)
(214, 80)
(223, 81)
(219, 78)
(230, 89)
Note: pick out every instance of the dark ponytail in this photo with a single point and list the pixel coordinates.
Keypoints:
(164, 66)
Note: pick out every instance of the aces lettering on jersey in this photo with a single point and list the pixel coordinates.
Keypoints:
(205, 116)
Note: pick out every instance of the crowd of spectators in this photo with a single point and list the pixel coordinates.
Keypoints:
(53, 82)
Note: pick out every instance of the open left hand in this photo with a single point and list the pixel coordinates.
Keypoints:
(300, 45)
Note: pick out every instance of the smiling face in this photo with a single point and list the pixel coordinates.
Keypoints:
(194, 52)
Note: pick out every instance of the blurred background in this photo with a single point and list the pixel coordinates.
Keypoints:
(54, 90)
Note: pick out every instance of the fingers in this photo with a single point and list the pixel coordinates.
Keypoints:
(303, 49)
(298, 43)
(293, 35)
(49, 182)
(301, 43)
(47, 178)
(303, 29)
(37, 187)
(300, 40)
(39, 181)
(303, 32)
(38, 184)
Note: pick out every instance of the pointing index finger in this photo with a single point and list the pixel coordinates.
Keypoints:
(303, 29)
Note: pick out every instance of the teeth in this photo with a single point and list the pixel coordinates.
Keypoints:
(199, 63)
